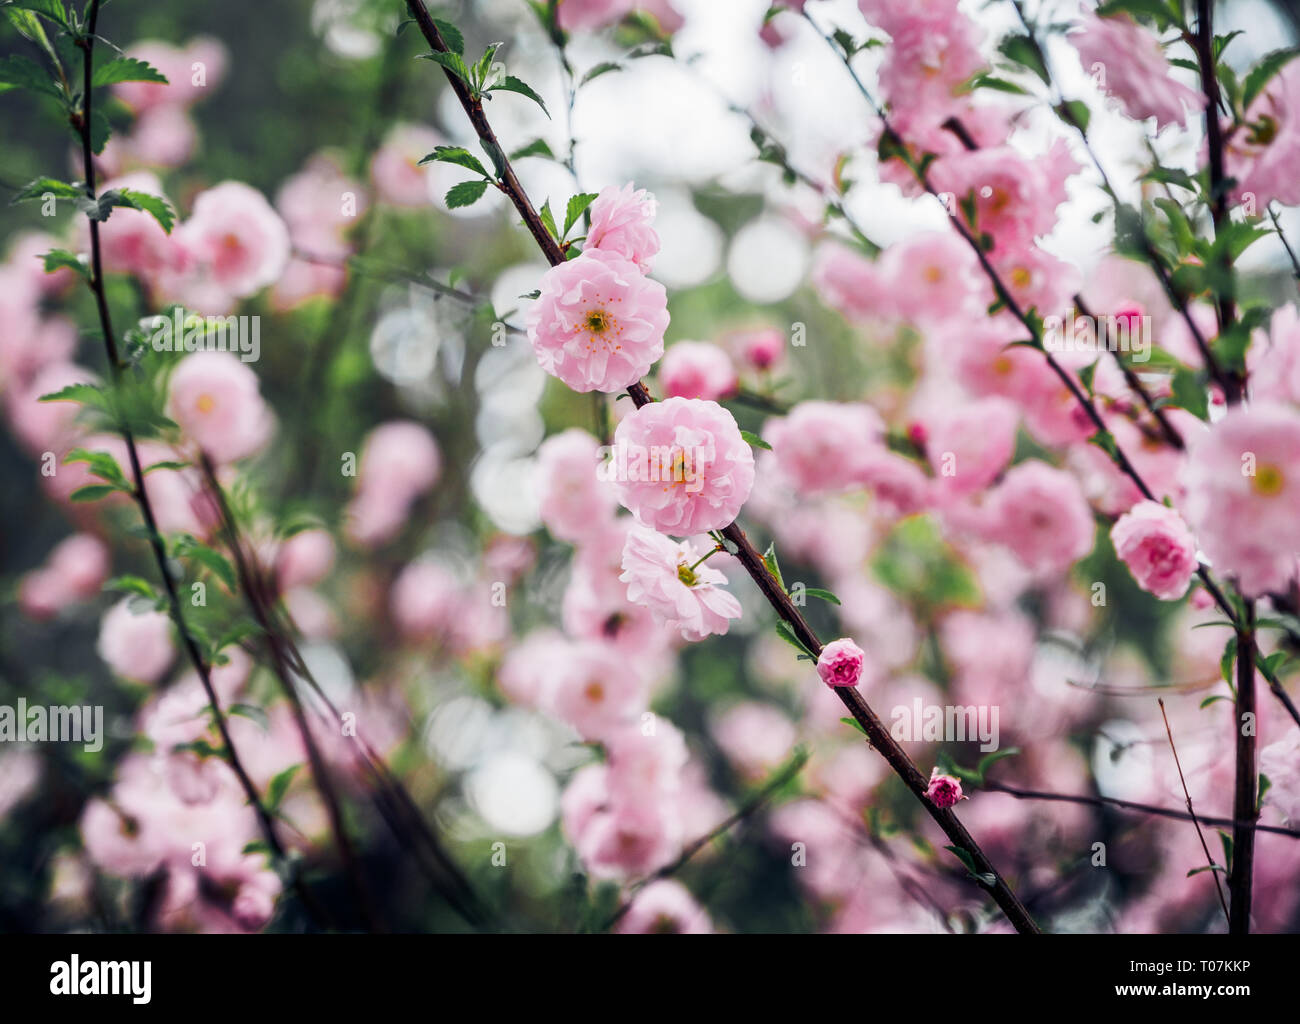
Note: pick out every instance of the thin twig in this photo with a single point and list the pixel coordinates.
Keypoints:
(1209, 860)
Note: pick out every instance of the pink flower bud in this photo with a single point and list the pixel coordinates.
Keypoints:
(944, 790)
(840, 663)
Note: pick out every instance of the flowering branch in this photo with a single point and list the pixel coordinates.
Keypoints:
(139, 494)
(876, 732)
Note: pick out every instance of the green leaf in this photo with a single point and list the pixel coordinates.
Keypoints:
(153, 205)
(575, 209)
(548, 220)
(467, 193)
(212, 560)
(1229, 656)
(57, 259)
(52, 9)
(537, 147)
(453, 63)
(1262, 73)
(86, 394)
(39, 188)
(753, 439)
(126, 69)
(512, 84)
(855, 723)
(989, 760)
(1189, 393)
(1207, 867)
(786, 633)
(251, 712)
(279, 786)
(93, 492)
(19, 72)
(1265, 784)
(774, 567)
(824, 595)
(1024, 51)
(129, 584)
(451, 35)
(1075, 113)
(1210, 700)
(1157, 11)
(100, 464)
(456, 155)
(987, 81)
(604, 68)
(167, 464)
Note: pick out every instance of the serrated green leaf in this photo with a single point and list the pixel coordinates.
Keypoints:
(512, 84)
(58, 259)
(577, 204)
(39, 188)
(1261, 74)
(537, 147)
(127, 69)
(787, 633)
(467, 193)
(753, 439)
(548, 220)
(1022, 50)
(453, 63)
(824, 595)
(19, 72)
(456, 155)
(451, 35)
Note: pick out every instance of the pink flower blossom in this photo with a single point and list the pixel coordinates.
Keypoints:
(697, 369)
(599, 323)
(1280, 761)
(1015, 196)
(840, 663)
(136, 644)
(620, 225)
(1243, 489)
(756, 737)
(1262, 156)
(238, 241)
(970, 444)
(825, 447)
(1039, 512)
(659, 575)
(665, 907)
(190, 72)
(399, 462)
(396, 170)
(932, 277)
(1159, 550)
(74, 571)
(851, 283)
(596, 691)
(682, 467)
(425, 601)
(574, 502)
(216, 400)
(944, 790)
(761, 349)
(1134, 69)
(304, 559)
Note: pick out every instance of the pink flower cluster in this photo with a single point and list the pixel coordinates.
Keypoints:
(400, 461)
